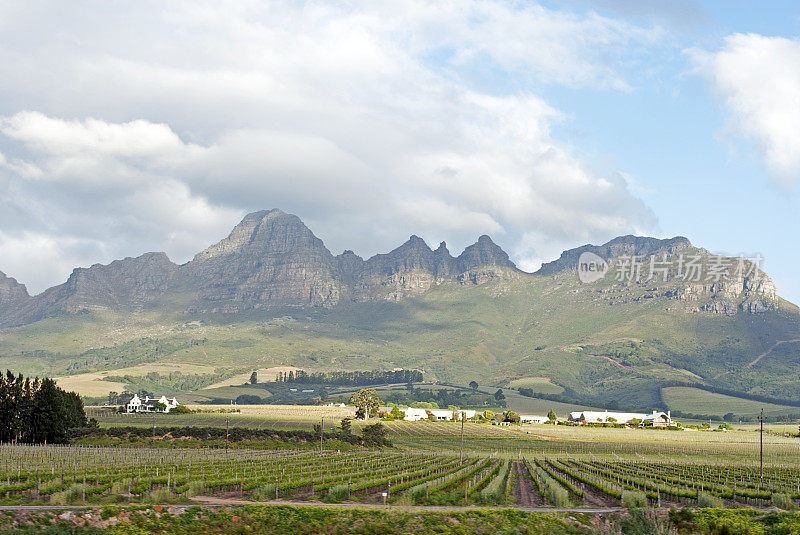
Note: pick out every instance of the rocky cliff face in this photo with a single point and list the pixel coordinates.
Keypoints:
(742, 287)
(621, 246)
(12, 293)
(131, 282)
(413, 268)
(269, 258)
(272, 259)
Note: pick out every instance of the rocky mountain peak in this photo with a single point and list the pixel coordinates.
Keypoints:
(621, 246)
(11, 292)
(270, 257)
(484, 252)
(264, 232)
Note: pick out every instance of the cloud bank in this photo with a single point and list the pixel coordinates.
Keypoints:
(758, 80)
(159, 128)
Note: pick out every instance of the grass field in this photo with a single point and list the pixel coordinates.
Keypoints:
(696, 401)
(95, 384)
(541, 385)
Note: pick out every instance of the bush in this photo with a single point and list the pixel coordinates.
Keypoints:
(196, 488)
(180, 409)
(645, 522)
(634, 498)
(336, 494)
(783, 501)
(707, 500)
(121, 487)
(71, 496)
(161, 495)
(264, 493)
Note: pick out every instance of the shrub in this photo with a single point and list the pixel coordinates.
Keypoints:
(645, 522)
(195, 488)
(264, 493)
(161, 495)
(783, 501)
(707, 500)
(336, 494)
(73, 495)
(121, 487)
(634, 498)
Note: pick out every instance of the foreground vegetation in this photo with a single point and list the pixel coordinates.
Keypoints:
(291, 520)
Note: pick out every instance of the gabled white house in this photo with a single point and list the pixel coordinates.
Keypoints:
(659, 419)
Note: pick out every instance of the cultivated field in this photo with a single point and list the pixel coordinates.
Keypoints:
(694, 400)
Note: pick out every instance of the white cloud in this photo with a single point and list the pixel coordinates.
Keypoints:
(758, 79)
(161, 132)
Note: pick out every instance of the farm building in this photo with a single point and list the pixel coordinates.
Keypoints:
(659, 419)
(136, 404)
(529, 419)
(442, 415)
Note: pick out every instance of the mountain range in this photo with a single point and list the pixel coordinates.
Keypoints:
(271, 293)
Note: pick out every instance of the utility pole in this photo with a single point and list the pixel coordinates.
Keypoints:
(154, 427)
(321, 433)
(761, 484)
(227, 433)
(461, 449)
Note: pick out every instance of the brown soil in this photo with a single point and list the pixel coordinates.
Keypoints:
(523, 490)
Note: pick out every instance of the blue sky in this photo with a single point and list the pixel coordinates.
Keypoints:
(130, 128)
(669, 134)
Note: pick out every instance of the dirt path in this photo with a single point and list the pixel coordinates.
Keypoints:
(523, 490)
(768, 351)
(211, 501)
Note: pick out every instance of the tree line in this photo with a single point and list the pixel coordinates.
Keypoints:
(37, 410)
(356, 378)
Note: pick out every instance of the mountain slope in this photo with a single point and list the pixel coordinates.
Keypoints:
(272, 294)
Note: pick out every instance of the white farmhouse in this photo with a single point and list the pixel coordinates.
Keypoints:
(136, 404)
(530, 419)
(659, 419)
(441, 415)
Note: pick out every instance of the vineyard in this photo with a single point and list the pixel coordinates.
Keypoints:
(61, 475)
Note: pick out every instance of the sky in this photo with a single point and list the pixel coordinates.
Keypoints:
(151, 126)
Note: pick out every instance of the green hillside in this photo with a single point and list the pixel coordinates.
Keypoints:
(593, 352)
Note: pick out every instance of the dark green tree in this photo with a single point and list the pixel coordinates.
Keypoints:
(346, 426)
(375, 435)
(253, 378)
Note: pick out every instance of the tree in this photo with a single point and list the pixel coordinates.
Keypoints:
(254, 378)
(729, 417)
(511, 416)
(473, 385)
(552, 416)
(489, 415)
(346, 426)
(499, 396)
(248, 399)
(366, 402)
(180, 409)
(50, 416)
(159, 407)
(396, 413)
(375, 435)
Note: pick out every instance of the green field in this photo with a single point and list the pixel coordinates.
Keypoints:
(541, 385)
(697, 401)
